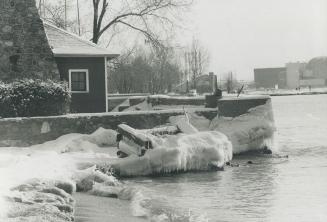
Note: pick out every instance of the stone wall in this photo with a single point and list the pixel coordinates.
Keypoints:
(34, 130)
(24, 47)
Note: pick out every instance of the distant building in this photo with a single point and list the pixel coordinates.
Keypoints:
(270, 77)
(313, 74)
(317, 67)
(204, 84)
(293, 75)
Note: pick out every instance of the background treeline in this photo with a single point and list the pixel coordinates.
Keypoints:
(145, 72)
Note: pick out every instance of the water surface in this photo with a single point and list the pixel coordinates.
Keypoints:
(270, 189)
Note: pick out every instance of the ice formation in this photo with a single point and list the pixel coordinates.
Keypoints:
(183, 152)
(248, 132)
(71, 163)
(37, 181)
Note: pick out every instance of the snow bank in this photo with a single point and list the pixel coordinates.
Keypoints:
(75, 142)
(251, 131)
(37, 182)
(199, 151)
(29, 199)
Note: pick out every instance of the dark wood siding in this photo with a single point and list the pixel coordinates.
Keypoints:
(95, 100)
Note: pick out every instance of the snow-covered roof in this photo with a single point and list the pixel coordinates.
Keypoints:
(65, 44)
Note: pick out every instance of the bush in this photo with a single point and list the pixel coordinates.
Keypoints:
(27, 97)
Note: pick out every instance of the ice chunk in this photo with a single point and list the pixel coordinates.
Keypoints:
(251, 131)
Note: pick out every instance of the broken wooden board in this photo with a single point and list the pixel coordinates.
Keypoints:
(161, 131)
(135, 135)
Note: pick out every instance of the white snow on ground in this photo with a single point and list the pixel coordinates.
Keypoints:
(39, 171)
(71, 160)
(80, 142)
(304, 90)
(43, 173)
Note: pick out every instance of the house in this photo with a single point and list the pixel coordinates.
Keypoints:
(204, 84)
(84, 66)
(31, 48)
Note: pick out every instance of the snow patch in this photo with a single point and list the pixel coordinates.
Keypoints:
(75, 142)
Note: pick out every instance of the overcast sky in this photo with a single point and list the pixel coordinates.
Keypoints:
(246, 34)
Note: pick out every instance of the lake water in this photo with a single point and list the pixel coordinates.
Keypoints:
(270, 189)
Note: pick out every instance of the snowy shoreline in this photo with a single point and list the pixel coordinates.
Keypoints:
(46, 175)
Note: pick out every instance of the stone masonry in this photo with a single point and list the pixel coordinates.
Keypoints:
(24, 47)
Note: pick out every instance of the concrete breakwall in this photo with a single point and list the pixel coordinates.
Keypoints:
(236, 106)
(29, 131)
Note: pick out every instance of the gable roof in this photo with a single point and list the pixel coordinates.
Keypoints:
(65, 44)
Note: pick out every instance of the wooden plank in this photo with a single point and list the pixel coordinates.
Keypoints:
(135, 135)
(167, 130)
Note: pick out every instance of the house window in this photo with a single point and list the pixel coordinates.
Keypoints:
(79, 80)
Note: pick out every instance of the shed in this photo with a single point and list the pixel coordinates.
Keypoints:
(83, 65)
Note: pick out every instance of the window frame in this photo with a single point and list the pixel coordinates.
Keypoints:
(86, 71)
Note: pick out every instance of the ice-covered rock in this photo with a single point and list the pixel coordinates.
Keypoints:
(39, 200)
(248, 132)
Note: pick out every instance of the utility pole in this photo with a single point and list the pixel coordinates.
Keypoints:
(65, 14)
(40, 7)
(44, 8)
(78, 19)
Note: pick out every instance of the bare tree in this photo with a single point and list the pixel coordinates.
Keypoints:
(142, 16)
(231, 83)
(197, 60)
(144, 71)
(62, 14)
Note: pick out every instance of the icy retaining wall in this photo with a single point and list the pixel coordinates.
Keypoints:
(236, 106)
(155, 101)
(35, 130)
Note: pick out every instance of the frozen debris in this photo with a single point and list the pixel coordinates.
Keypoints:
(86, 178)
(103, 137)
(179, 153)
(183, 124)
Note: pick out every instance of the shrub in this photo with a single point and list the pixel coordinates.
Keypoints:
(27, 97)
